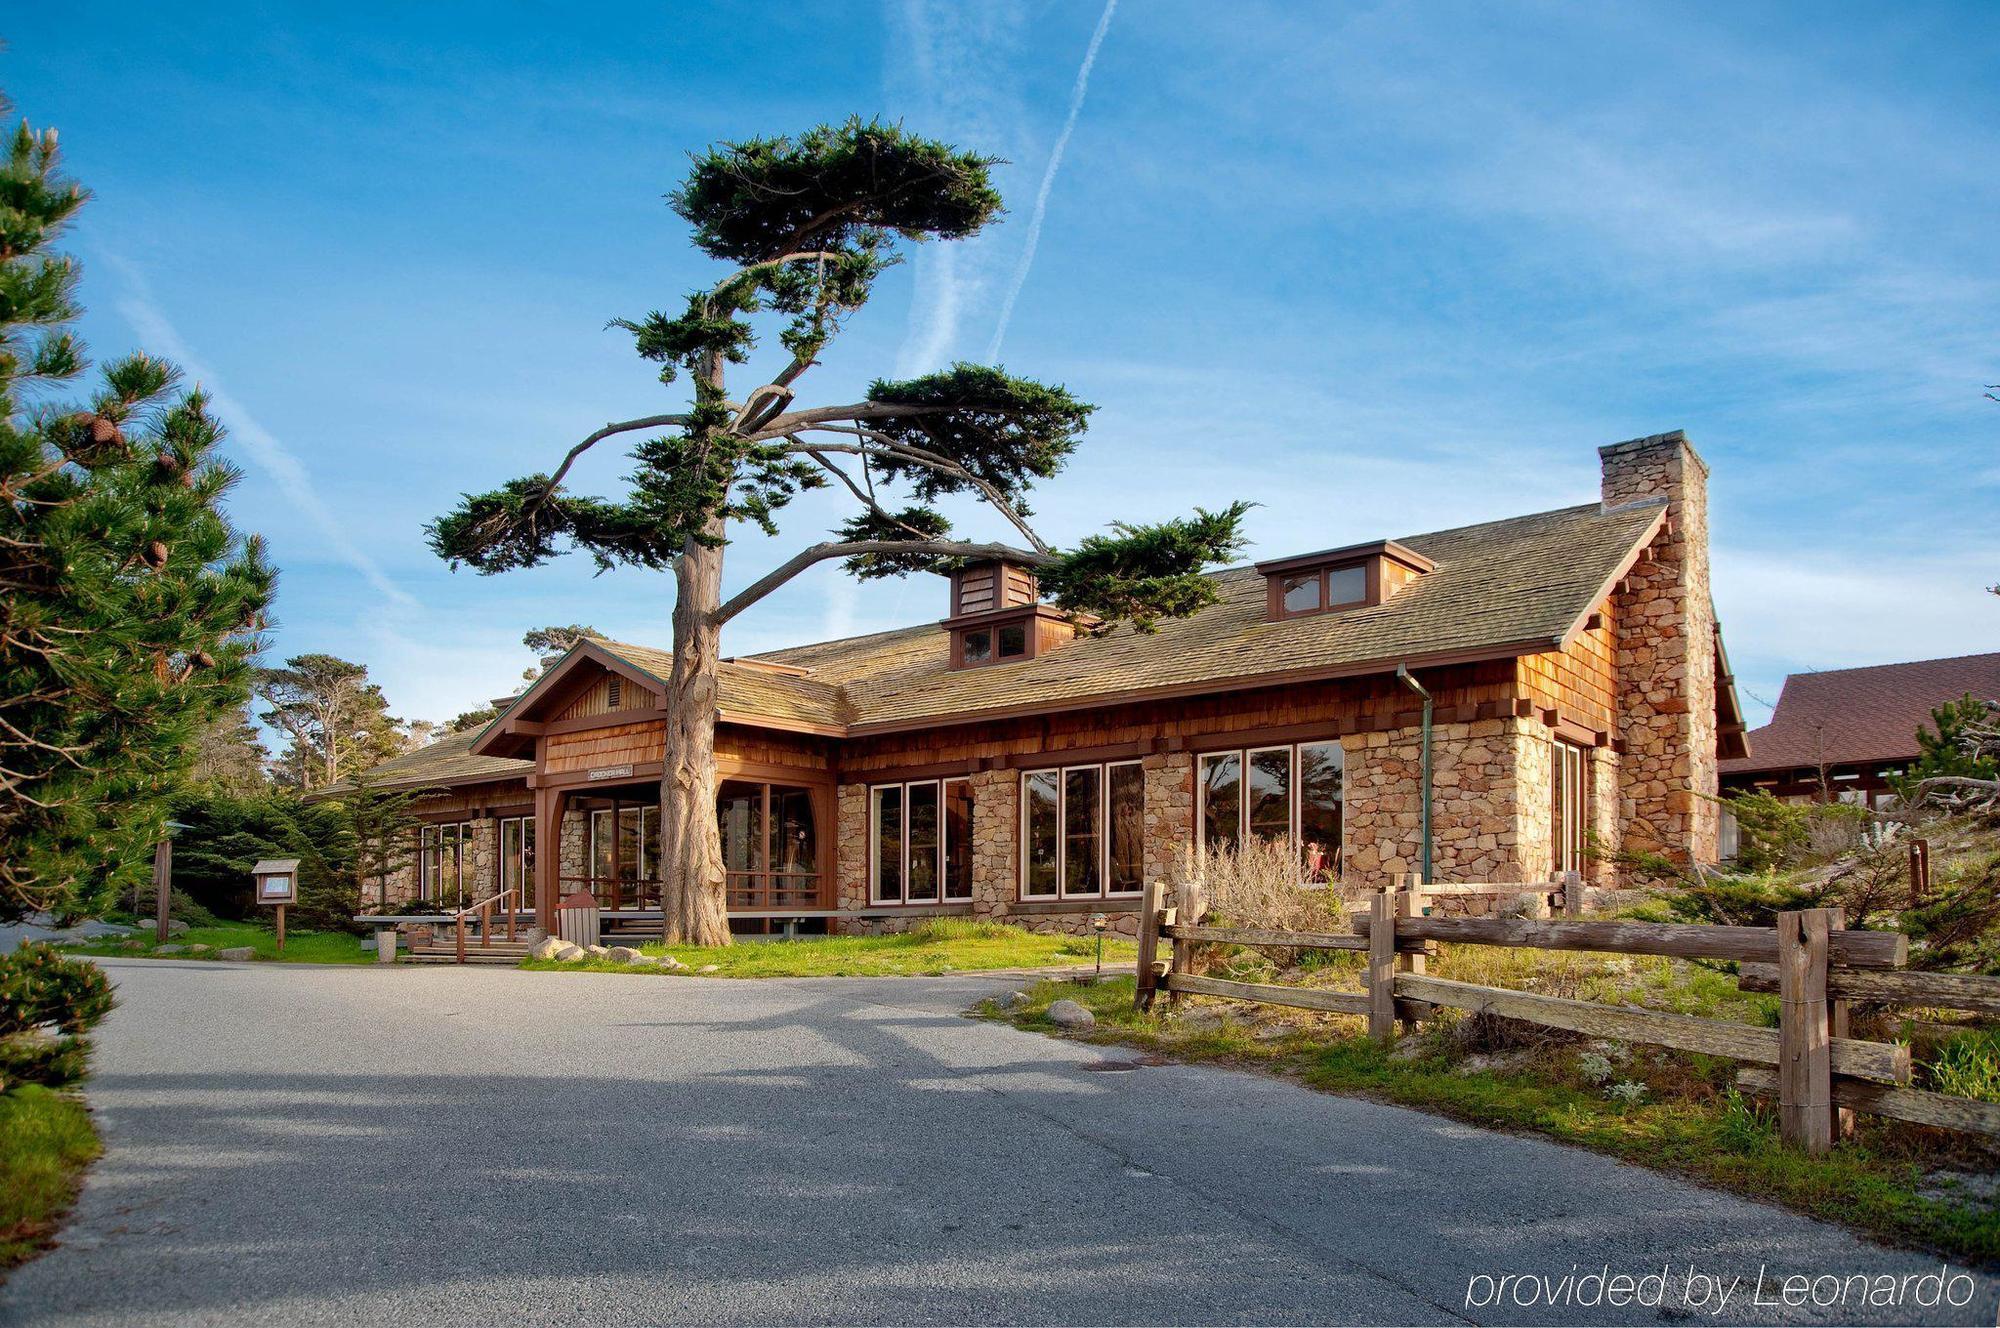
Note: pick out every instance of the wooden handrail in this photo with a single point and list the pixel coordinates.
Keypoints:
(483, 908)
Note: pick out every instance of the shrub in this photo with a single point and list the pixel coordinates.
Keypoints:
(47, 1002)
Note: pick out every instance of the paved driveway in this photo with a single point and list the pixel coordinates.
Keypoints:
(430, 1146)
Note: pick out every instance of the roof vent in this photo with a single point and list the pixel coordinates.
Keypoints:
(1353, 577)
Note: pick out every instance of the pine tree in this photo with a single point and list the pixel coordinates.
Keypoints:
(129, 607)
(336, 723)
(806, 226)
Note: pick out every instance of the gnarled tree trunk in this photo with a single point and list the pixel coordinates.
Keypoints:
(693, 895)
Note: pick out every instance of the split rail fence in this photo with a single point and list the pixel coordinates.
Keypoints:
(1818, 1074)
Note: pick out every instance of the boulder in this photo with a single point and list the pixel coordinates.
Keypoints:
(570, 954)
(548, 947)
(1068, 1014)
(175, 927)
(170, 949)
(237, 953)
(598, 950)
(623, 954)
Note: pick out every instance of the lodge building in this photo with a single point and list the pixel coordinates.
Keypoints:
(999, 764)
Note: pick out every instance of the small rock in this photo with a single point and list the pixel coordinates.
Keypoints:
(644, 961)
(672, 964)
(548, 947)
(170, 949)
(176, 927)
(1068, 1014)
(705, 968)
(623, 954)
(570, 954)
(199, 948)
(237, 953)
(1013, 1000)
(598, 950)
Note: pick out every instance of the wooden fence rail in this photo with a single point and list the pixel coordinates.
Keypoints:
(1818, 1074)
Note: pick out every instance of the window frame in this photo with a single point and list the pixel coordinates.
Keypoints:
(524, 828)
(1062, 894)
(1323, 576)
(1569, 819)
(941, 852)
(1294, 796)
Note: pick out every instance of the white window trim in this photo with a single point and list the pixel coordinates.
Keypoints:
(875, 898)
(1060, 895)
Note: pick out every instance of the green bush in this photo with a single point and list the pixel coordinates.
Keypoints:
(47, 1003)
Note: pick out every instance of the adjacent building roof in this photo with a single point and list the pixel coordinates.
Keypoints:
(446, 762)
(1860, 716)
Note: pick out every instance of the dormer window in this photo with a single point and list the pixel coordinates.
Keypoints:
(997, 616)
(1334, 579)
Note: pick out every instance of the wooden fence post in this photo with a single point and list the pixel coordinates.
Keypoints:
(1920, 872)
(1382, 965)
(1409, 904)
(1842, 1119)
(1805, 1049)
(1149, 945)
(1573, 894)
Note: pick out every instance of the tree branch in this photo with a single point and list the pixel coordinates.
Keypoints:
(819, 553)
(944, 465)
(864, 496)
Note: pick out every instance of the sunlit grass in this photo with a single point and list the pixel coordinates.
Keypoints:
(943, 945)
(301, 947)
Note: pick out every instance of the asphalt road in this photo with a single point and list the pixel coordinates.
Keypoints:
(433, 1146)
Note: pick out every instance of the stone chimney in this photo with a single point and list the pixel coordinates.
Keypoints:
(1666, 654)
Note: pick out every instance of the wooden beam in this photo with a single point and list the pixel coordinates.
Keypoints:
(1881, 1061)
(1299, 940)
(1909, 1104)
(1945, 991)
(1302, 998)
(1679, 940)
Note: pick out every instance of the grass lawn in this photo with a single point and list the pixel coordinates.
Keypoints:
(46, 1140)
(943, 945)
(301, 947)
(1667, 1110)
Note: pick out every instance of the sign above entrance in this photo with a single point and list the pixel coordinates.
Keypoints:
(609, 772)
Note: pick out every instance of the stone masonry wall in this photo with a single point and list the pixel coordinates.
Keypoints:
(1489, 804)
(1666, 655)
(851, 880)
(1169, 816)
(996, 826)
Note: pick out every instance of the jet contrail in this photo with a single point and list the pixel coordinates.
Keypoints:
(1076, 94)
(258, 443)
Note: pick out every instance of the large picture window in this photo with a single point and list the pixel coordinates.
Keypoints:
(1083, 829)
(770, 844)
(920, 842)
(1290, 794)
(517, 858)
(444, 863)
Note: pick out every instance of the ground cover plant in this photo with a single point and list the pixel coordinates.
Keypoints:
(942, 945)
(48, 1003)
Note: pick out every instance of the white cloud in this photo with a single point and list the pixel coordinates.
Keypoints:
(1794, 611)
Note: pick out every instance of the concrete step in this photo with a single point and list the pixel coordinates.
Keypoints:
(472, 956)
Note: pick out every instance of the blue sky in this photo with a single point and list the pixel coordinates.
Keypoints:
(1379, 268)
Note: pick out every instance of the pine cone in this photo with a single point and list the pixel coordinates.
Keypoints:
(201, 659)
(104, 432)
(155, 555)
